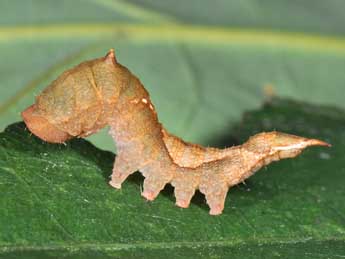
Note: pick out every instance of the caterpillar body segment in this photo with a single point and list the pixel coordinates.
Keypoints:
(102, 92)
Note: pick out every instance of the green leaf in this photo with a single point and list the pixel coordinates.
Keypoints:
(211, 59)
(55, 201)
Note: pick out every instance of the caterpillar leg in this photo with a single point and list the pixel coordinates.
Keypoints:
(183, 196)
(156, 177)
(122, 169)
(185, 184)
(152, 187)
(215, 193)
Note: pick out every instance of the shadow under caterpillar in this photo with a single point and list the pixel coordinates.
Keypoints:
(102, 92)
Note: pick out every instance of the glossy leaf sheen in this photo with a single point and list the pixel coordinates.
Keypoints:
(56, 202)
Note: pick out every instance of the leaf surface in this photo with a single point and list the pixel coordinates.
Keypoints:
(56, 202)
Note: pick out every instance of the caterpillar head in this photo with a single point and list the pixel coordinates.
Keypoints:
(77, 102)
(41, 127)
(277, 145)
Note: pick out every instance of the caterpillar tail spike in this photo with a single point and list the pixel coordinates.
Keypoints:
(102, 92)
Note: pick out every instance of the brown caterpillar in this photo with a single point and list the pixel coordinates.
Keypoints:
(102, 92)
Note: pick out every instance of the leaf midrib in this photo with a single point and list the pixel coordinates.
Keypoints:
(173, 244)
(181, 33)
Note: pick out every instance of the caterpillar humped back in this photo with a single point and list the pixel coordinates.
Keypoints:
(102, 92)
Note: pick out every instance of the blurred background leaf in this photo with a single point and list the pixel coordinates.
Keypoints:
(211, 59)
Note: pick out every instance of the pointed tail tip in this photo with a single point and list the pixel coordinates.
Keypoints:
(317, 142)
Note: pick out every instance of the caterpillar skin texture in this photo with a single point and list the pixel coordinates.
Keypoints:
(102, 92)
